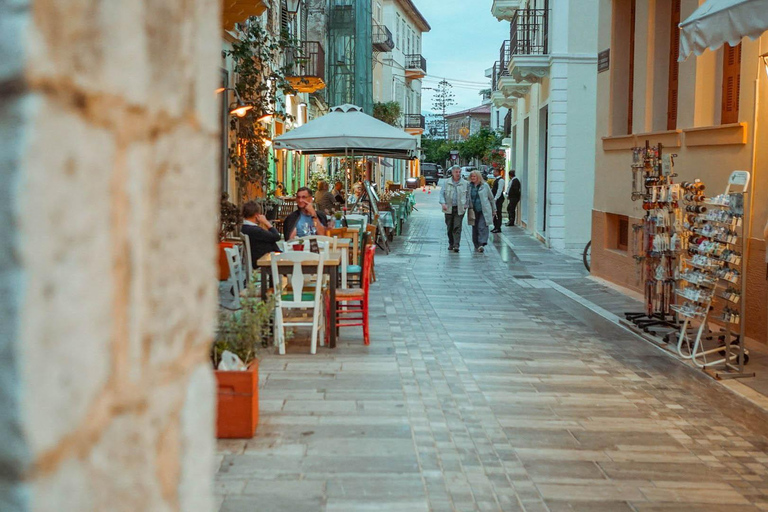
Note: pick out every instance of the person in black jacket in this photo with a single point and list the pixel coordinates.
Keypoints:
(305, 220)
(262, 235)
(498, 196)
(513, 196)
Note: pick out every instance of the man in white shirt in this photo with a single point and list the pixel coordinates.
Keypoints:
(498, 196)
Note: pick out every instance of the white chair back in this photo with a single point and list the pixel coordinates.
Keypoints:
(298, 272)
(229, 290)
(247, 257)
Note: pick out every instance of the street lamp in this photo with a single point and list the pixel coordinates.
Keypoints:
(239, 108)
(292, 6)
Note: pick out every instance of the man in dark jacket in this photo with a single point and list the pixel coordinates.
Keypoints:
(262, 235)
(305, 220)
(513, 196)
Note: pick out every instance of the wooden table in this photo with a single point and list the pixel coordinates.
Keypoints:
(331, 266)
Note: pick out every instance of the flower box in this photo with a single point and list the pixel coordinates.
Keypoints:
(238, 403)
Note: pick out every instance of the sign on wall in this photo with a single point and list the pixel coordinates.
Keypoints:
(604, 60)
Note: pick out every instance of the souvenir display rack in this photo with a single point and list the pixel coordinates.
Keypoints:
(711, 284)
(653, 183)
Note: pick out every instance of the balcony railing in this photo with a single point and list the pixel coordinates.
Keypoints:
(416, 62)
(309, 61)
(414, 122)
(529, 32)
(505, 55)
(382, 38)
(499, 71)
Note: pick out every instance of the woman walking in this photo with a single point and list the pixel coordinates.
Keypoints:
(483, 209)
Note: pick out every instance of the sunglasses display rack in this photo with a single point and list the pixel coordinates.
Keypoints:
(653, 183)
(711, 285)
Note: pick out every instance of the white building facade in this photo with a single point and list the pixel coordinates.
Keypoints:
(546, 76)
(399, 68)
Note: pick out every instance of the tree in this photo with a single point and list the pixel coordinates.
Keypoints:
(441, 102)
(388, 112)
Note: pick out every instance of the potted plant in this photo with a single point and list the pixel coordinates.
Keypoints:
(239, 333)
(229, 226)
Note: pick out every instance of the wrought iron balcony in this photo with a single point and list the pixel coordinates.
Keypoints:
(415, 66)
(382, 39)
(414, 123)
(307, 67)
(529, 32)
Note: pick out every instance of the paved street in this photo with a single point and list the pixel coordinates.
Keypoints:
(487, 388)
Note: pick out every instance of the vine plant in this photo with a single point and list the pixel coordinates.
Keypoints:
(261, 82)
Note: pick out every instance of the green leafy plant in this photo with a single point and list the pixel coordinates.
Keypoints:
(240, 331)
(261, 83)
(229, 218)
(388, 112)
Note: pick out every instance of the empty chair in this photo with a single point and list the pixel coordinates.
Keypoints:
(352, 303)
(229, 290)
(302, 297)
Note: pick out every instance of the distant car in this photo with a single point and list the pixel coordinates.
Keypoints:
(440, 171)
(466, 170)
(430, 173)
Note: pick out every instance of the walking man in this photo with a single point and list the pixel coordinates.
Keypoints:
(498, 196)
(454, 198)
(513, 196)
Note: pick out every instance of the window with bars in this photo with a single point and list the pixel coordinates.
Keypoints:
(731, 84)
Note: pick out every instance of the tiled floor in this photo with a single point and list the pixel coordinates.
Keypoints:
(485, 388)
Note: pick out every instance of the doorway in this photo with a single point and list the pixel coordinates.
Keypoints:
(523, 176)
(543, 178)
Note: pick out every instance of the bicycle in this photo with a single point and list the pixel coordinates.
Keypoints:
(586, 256)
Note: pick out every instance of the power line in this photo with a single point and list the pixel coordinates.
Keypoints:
(452, 80)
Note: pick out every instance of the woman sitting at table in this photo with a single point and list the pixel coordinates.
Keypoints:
(262, 235)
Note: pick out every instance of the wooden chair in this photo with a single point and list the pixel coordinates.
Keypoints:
(229, 290)
(297, 298)
(352, 303)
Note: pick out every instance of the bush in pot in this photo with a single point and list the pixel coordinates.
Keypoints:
(238, 390)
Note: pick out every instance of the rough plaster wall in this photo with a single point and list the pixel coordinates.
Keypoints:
(107, 217)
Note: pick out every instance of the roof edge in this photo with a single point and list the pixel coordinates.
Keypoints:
(409, 6)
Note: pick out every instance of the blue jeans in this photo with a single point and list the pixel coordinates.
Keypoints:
(480, 231)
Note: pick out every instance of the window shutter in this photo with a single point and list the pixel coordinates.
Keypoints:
(731, 84)
(304, 20)
(631, 92)
(284, 21)
(674, 67)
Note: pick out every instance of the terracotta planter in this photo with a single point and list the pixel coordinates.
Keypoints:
(238, 403)
(223, 263)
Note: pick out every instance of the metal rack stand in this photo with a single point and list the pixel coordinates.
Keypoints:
(652, 181)
(713, 282)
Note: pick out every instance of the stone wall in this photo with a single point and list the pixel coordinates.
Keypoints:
(108, 185)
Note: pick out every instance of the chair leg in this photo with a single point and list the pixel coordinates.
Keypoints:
(279, 332)
(366, 331)
(315, 325)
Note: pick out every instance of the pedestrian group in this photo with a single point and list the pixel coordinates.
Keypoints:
(480, 202)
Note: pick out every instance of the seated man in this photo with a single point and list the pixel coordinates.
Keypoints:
(305, 220)
(338, 193)
(324, 199)
(262, 235)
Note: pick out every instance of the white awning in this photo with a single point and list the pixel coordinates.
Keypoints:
(717, 22)
(347, 128)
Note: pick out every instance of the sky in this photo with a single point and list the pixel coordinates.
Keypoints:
(463, 43)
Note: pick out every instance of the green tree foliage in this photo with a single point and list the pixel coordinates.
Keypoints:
(483, 145)
(388, 112)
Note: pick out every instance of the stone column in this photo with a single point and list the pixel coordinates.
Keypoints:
(108, 185)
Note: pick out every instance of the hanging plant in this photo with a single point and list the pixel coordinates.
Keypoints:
(388, 112)
(262, 84)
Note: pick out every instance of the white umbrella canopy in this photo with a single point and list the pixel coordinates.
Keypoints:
(716, 22)
(346, 129)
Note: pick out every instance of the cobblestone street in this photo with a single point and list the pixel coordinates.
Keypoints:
(487, 388)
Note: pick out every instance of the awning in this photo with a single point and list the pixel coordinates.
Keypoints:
(717, 22)
(346, 129)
